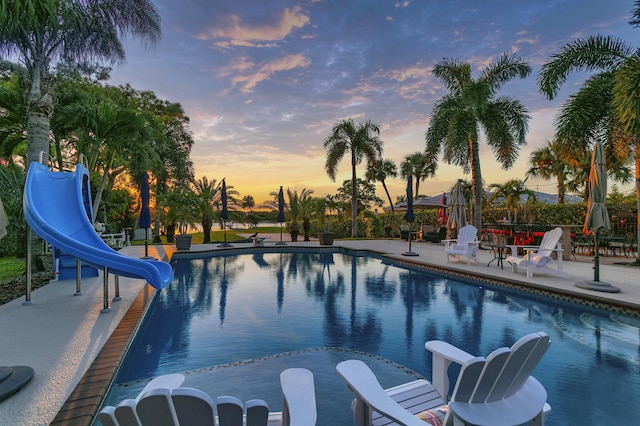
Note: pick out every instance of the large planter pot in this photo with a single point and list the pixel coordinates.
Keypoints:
(183, 242)
(326, 238)
(294, 235)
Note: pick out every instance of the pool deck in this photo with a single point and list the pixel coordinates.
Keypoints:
(60, 335)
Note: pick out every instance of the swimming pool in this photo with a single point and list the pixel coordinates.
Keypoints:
(234, 321)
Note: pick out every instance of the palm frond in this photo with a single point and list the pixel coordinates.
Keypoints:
(588, 54)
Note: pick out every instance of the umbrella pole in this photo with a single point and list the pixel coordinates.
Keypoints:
(409, 252)
(146, 242)
(596, 285)
(281, 243)
(596, 259)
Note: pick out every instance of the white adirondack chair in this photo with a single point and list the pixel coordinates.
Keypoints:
(466, 245)
(537, 259)
(165, 404)
(497, 391)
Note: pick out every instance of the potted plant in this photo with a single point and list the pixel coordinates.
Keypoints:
(181, 205)
(297, 209)
(327, 204)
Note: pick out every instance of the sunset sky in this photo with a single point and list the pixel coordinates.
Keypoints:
(264, 81)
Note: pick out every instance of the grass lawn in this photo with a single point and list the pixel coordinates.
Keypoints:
(11, 267)
(232, 235)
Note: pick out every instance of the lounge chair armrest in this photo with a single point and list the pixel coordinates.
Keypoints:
(514, 248)
(443, 355)
(299, 397)
(361, 380)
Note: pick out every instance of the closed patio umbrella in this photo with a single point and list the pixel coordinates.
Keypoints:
(145, 213)
(224, 214)
(281, 215)
(458, 215)
(597, 219)
(409, 216)
(442, 212)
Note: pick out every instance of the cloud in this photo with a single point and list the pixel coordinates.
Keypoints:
(265, 72)
(237, 32)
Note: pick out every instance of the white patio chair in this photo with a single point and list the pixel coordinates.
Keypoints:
(497, 391)
(537, 259)
(164, 403)
(466, 245)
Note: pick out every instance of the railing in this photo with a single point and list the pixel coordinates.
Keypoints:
(115, 241)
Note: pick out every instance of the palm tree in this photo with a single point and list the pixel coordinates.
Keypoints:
(379, 171)
(43, 32)
(362, 142)
(206, 191)
(511, 193)
(471, 104)
(606, 106)
(248, 202)
(546, 163)
(418, 165)
(299, 208)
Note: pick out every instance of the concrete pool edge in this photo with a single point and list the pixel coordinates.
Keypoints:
(81, 407)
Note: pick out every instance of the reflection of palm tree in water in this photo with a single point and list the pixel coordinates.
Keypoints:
(418, 293)
(224, 271)
(467, 296)
(362, 331)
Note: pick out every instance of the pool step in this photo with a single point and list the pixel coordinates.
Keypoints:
(12, 379)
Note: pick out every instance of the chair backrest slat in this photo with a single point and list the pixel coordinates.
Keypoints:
(493, 367)
(527, 369)
(230, 410)
(155, 408)
(192, 406)
(125, 413)
(257, 413)
(468, 378)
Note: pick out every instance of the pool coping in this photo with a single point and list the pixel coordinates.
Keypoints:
(82, 405)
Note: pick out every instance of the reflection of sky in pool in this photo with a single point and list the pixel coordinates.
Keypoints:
(234, 308)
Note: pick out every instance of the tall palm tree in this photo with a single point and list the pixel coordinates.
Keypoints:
(43, 32)
(472, 104)
(606, 106)
(379, 171)
(420, 166)
(547, 163)
(362, 142)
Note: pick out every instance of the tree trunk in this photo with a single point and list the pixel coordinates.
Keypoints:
(560, 189)
(386, 190)
(476, 182)
(39, 111)
(103, 183)
(354, 197)
(206, 223)
(637, 155)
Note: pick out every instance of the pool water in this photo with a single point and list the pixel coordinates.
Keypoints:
(243, 315)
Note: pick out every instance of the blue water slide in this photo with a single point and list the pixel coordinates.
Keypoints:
(57, 207)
